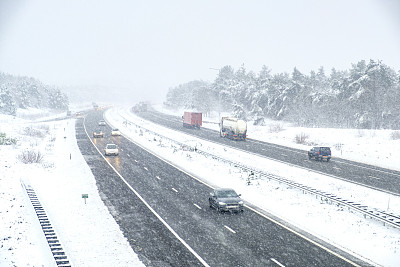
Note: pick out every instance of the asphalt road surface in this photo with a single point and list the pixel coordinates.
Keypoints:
(367, 175)
(164, 214)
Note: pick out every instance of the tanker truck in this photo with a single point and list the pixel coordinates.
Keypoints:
(233, 128)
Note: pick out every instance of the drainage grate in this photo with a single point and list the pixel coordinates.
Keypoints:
(51, 237)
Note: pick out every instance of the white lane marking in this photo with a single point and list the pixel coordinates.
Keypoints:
(284, 155)
(230, 229)
(147, 204)
(146, 168)
(276, 146)
(277, 262)
(136, 161)
(210, 186)
(337, 168)
(158, 177)
(303, 236)
(377, 178)
(197, 206)
(175, 190)
(366, 167)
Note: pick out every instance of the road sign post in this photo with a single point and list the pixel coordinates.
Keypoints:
(85, 196)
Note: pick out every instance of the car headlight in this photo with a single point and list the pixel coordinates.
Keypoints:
(240, 202)
(221, 203)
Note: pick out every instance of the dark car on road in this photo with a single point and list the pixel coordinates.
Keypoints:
(225, 199)
(320, 153)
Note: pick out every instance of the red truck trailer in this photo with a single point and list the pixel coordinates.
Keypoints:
(192, 119)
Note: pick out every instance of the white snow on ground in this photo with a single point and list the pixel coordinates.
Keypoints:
(88, 233)
(375, 147)
(334, 224)
(91, 237)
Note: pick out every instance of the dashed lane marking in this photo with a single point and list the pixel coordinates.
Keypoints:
(175, 190)
(146, 168)
(277, 262)
(197, 206)
(158, 177)
(230, 229)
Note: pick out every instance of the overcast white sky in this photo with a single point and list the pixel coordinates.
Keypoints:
(150, 46)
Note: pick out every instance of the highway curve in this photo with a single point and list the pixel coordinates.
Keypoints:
(142, 191)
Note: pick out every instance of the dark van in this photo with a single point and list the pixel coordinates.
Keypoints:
(320, 153)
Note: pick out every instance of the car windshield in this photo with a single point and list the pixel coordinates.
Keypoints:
(111, 146)
(115, 130)
(226, 193)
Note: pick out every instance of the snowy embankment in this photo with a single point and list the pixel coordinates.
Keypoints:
(331, 223)
(91, 237)
(88, 233)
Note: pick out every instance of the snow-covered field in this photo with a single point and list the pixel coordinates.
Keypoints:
(87, 232)
(63, 176)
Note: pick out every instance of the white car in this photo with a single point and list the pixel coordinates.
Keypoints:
(111, 149)
(115, 132)
(102, 123)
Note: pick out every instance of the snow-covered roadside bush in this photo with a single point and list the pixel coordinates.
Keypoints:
(395, 135)
(275, 128)
(39, 131)
(301, 138)
(4, 140)
(30, 156)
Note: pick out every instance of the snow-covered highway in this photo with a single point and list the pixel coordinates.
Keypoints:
(252, 239)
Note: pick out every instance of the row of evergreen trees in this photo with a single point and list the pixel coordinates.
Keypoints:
(23, 92)
(366, 96)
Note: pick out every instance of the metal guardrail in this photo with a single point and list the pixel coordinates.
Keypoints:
(385, 217)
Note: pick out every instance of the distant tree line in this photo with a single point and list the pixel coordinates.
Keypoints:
(366, 96)
(24, 92)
